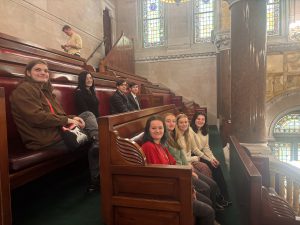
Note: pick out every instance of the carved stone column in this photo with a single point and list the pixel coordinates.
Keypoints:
(222, 43)
(248, 69)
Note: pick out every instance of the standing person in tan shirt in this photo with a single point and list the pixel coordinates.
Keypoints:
(74, 43)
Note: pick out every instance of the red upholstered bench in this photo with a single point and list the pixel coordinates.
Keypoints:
(19, 165)
(26, 165)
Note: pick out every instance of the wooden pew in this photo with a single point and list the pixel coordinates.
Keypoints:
(18, 165)
(259, 205)
(20, 52)
(190, 107)
(149, 100)
(5, 205)
(135, 193)
(178, 102)
(155, 90)
(119, 63)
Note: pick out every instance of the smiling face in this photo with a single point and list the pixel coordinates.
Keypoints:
(89, 81)
(183, 124)
(170, 121)
(200, 121)
(39, 73)
(122, 87)
(156, 130)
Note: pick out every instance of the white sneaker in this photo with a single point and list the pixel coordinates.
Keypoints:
(216, 223)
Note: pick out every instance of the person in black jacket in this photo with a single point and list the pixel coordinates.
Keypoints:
(132, 96)
(85, 96)
(119, 102)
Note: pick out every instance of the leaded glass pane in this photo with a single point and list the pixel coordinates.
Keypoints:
(153, 23)
(203, 20)
(273, 17)
(289, 124)
(283, 151)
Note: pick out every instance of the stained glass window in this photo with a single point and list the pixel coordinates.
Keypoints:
(203, 20)
(153, 23)
(273, 17)
(287, 137)
(289, 124)
(283, 151)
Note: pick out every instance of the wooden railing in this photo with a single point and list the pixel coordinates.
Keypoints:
(285, 179)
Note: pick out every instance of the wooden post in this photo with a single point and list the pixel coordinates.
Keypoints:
(5, 205)
(281, 186)
(296, 198)
(272, 179)
(289, 191)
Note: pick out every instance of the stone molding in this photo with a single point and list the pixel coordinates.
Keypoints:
(175, 57)
(288, 46)
(231, 2)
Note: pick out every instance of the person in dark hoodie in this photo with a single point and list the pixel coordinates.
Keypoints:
(39, 117)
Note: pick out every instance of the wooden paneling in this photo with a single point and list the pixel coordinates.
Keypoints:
(5, 207)
(136, 194)
(121, 56)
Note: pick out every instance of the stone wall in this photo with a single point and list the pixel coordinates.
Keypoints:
(41, 21)
(188, 69)
(194, 79)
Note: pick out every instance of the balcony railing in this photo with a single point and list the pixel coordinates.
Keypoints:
(285, 179)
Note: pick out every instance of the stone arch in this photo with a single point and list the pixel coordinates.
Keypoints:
(279, 106)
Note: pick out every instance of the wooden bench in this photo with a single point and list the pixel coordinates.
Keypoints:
(259, 204)
(19, 165)
(133, 192)
(189, 108)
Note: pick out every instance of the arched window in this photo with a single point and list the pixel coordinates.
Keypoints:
(273, 17)
(287, 137)
(153, 23)
(203, 20)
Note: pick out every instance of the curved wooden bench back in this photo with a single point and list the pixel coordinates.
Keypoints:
(130, 151)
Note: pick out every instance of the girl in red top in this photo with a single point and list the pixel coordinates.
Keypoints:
(155, 137)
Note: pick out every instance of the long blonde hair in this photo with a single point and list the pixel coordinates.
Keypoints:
(172, 134)
(186, 133)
